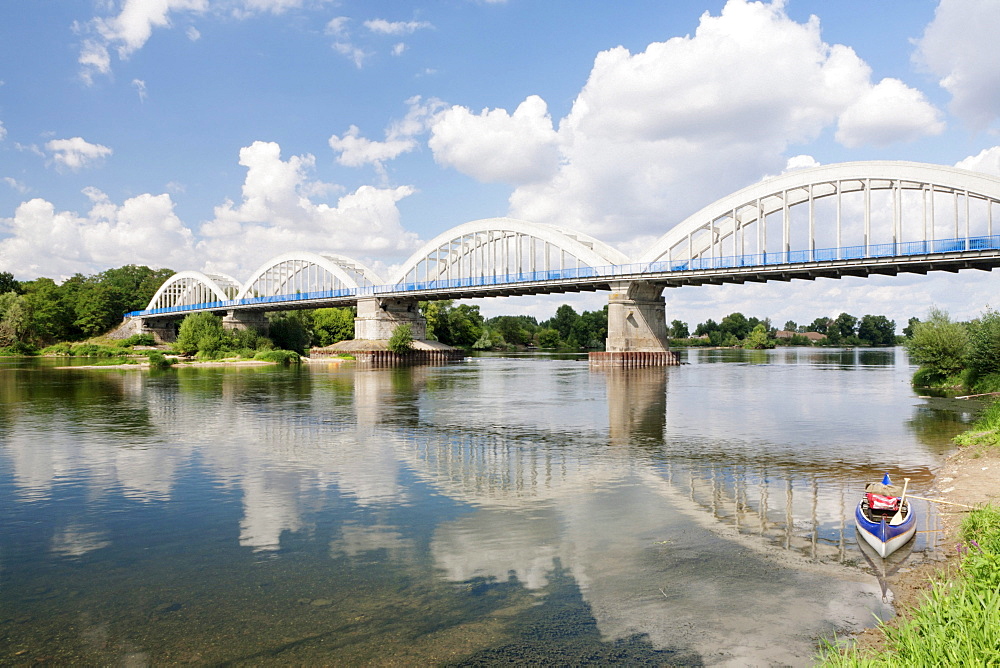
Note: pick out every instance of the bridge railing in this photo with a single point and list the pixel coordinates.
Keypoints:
(860, 252)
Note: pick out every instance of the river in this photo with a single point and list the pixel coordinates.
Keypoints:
(505, 509)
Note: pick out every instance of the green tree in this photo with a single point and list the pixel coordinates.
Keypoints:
(908, 330)
(563, 321)
(737, 325)
(97, 308)
(401, 341)
(877, 330)
(758, 339)
(331, 325)
(844, 325)
(515, 329)
(983, 354)
(939, 346)
(706, 327)
(820, 326)
(14, 319)
(679, 329)
(9, 284)
(51, 319)
(200, 332)
(791, 326)
(290, 331)
(548, 338)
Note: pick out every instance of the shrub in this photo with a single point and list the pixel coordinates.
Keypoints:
(280, 356)
(939, 344)
(401, 341)
(158, 360)
(139, 340)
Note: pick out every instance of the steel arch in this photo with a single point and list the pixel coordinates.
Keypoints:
(502, 247)
(187, 288)
(307, 272)
(703, 233)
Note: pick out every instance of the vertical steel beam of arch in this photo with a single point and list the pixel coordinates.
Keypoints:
(812, 225)
(840, 197)
(989, 216)
(737, 241)
(786, 225)
(761, 230)
(868, 213)
(896, 211)
(968, 223)
(923, 206)
(933, 218)
(954, 196)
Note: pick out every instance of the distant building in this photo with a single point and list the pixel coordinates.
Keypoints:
(812, 336)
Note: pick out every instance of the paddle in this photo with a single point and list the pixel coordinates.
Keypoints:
(897, 519)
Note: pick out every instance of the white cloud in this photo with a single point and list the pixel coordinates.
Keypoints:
(44, 242)
(193, 33)
(383, 27)
(3, 131)
(797, 162)
(276, 215)
(655, 135)
(140, 87)
(356, 150)
(76, 153)
(987, 161)
(355, 54)
(959, 47)
(15, 184)
(398, 49)
(513, 148)
(887, 113)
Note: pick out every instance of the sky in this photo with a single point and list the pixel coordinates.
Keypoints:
(215, 134)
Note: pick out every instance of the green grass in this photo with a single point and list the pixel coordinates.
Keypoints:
(985, 430)
(959, 622)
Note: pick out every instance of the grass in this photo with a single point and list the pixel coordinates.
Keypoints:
(958, 623)
(985, 430)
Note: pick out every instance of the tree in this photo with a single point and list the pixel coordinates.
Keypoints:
(706, 327)
(548, 338)
(199, 332)
(515, 329)
(820, 326)
(877, 330)
(290, 331)
(9, 284)
(401, 341)
(331, 325)
(679, 330)
(736, 324)
(844, 325)
(983, 355)
(51, 319)
(908, 330)
(14, 319)
(939, 345)
(791, 326)
(758, 339)
(563, 321)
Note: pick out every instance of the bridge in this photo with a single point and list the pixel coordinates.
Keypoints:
(847, 219)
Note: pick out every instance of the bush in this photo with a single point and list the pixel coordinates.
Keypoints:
(158, 360)
(139, 340)
(19, 348)
(939, 344)
(401, 341)
(280, 356)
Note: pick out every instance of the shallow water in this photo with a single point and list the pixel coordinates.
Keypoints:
(503, 509)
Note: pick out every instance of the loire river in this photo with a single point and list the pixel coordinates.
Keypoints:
(499, 510)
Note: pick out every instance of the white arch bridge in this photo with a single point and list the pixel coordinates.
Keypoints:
(848, 219)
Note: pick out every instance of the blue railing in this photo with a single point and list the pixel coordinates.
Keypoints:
(871, 251)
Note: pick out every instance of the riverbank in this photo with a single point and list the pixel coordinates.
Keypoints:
(969, 477)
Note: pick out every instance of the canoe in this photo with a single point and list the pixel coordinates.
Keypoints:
(876, 530)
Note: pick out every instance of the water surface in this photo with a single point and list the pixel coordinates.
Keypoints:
(503, 509)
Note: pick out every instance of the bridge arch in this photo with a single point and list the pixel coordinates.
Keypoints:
(850, 210)
(498, 248)
(189, 288)
(305, 272)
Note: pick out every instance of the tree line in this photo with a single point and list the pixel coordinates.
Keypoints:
(39, 313)
(956, 355)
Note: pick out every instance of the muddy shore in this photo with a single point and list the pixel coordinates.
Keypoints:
(969, 476)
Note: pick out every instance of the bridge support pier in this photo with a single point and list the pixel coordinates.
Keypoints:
(378, 319)
(637, 327)
(239, 320)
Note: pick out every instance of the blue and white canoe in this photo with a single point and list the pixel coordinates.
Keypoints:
(885, 538)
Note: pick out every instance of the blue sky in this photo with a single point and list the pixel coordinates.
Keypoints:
(214, 134)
